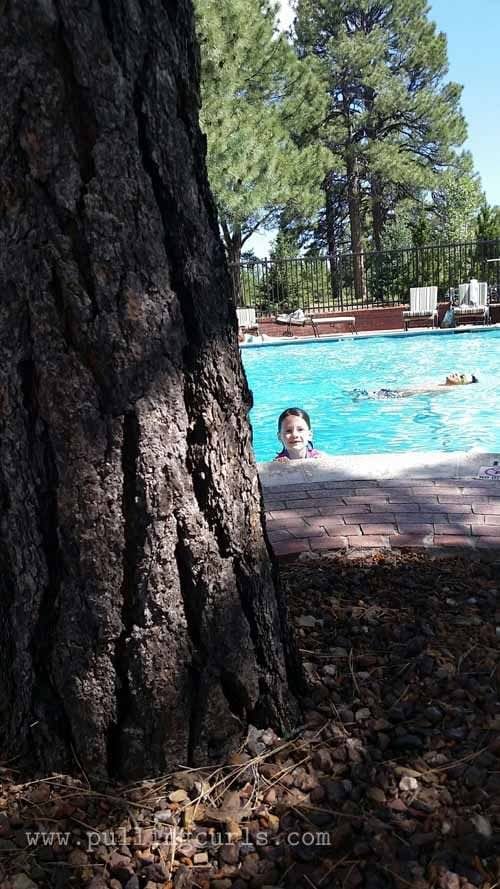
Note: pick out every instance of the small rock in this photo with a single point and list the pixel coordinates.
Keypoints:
(40, 793)
(408, 783)
(307, 621)
(363, 713)
(269, 738)
(482, 825)
(229, 853)
(413, 742)
(322, 760)
(78, 858)
(433, 714)
(376, 794)
(178, 796)
(397, 805)
(474, 777)
(317, 794)
(97, 882)
(165, 816)
(200, 858)
(335, 791)
(183, 878)
(22, 881)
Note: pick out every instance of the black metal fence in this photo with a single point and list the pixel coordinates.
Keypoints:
(356, 281)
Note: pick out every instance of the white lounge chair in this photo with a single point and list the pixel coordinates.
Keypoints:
(247, 319)
(473, 302)
(298, 318)
(423, 305)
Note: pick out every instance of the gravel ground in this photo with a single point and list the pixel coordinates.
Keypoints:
(393, 780)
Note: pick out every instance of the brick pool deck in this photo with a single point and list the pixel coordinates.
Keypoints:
(356, 514)
(361, 515)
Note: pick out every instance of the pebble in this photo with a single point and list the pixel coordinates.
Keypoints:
(178, 796)
(408, 783)
(307, 621)
(229, 853)
(22, 881)
(200, 858)
(482, 825)
(165, 817)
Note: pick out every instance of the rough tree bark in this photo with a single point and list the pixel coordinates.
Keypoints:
(139, 623)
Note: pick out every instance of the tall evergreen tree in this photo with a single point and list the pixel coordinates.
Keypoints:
(488, 223)
(393, 123)
(258, 101)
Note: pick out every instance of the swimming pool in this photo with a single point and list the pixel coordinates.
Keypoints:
(320, 376)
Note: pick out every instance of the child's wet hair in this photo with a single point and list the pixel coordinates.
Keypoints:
(294, 412)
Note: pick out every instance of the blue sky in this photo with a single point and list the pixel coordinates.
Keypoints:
(472, 28)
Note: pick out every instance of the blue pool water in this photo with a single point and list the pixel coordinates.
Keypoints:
(320, 376)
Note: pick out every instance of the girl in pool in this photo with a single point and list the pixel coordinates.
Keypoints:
(454, 379)
(295, 434)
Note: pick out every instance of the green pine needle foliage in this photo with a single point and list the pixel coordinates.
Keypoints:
(393, 122)
(259, 103)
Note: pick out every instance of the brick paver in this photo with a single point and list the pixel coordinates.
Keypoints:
(389, 514)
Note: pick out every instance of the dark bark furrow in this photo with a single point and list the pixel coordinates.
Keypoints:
(132, 592)
(72, 227)
(47, 701)
(107, 20)
(193, 598)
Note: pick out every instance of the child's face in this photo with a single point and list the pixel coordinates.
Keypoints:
(294, 435)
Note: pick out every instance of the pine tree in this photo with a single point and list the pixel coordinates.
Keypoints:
(393, 124)
(488, 223)
(257, 103)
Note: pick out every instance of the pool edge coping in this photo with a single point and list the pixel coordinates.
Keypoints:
(366, 334)
(401, 466)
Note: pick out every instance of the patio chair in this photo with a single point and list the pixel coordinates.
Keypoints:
(247, 319)
(423, 305)
(473, 303)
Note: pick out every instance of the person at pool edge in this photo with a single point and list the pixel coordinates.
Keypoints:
(295, 434)
(454, 379)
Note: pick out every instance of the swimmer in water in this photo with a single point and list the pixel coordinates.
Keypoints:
(453, 379)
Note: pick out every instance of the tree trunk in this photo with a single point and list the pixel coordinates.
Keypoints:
(139, 623)
(354, 201)
(377, 213)
(331, 236)
(378, 221)
(233, 245)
